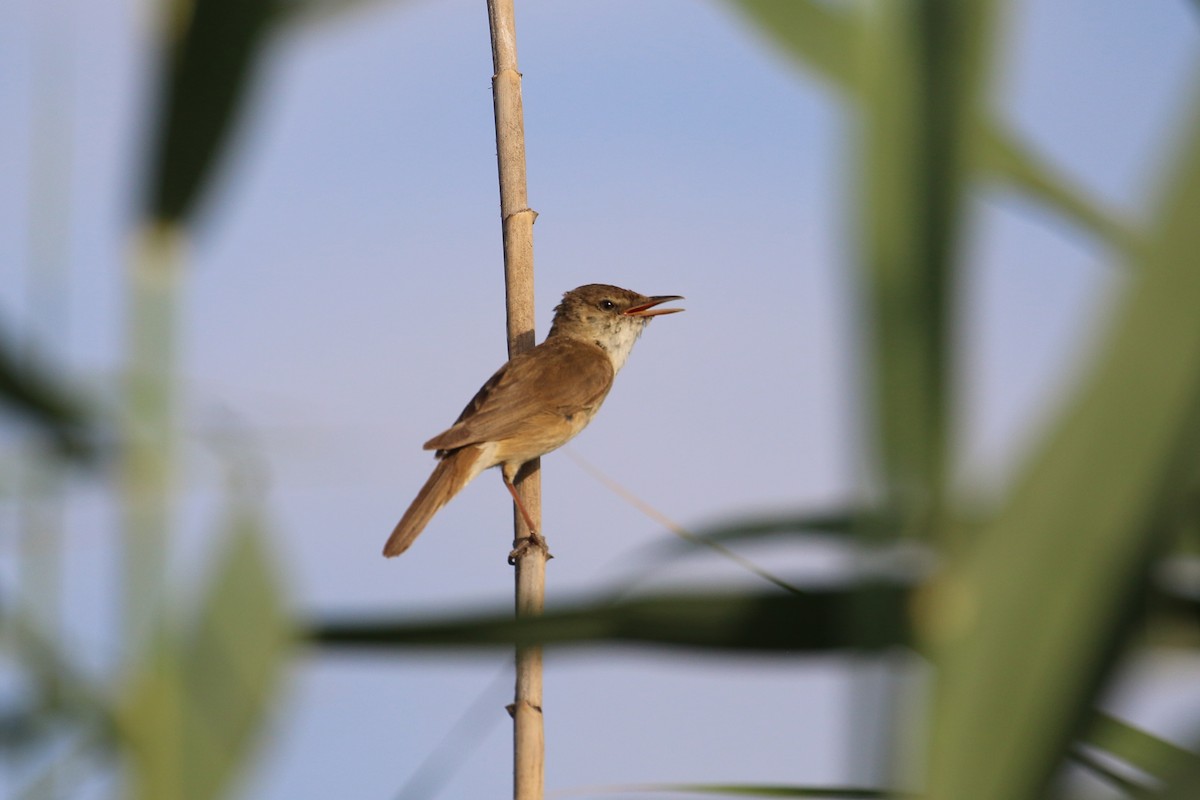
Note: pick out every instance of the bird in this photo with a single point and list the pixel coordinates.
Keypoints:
(536, 402)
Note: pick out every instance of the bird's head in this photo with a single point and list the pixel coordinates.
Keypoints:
(610, 317)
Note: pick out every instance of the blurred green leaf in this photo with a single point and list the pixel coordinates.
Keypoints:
(58, 686)
(70, 768)
(838, 523)
(320, 10)
(1181, 781)
(59, 710)
(151, 720)
(648, 559)
(813, 622)
(1137, 748)
(1061, 568)
(1105, 770)
(922, 90)
(845, 527)
(199, 699)
(749, 790)
(826, 38)
(213, 50)
(817, 34)
(1009, 160)
(34, 391)
(234, 659)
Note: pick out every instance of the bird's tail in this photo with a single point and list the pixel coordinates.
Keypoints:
(450, 475)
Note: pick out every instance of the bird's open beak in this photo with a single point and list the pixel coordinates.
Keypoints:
(648, 309)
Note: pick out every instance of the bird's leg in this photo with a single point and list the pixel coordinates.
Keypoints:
(520, 546)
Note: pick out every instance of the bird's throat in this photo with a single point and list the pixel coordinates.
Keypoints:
(617, 341)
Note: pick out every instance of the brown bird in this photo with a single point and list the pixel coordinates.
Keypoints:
(536, 402)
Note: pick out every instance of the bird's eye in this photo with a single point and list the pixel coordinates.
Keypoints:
(607, 305)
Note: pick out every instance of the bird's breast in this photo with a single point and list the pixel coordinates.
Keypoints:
(550, 432)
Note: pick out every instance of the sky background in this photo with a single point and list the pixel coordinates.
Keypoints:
(344, 300)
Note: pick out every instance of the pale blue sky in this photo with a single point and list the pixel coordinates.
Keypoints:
(343, 304)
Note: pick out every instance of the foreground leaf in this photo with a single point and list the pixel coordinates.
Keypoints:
(817, 621)
(1139, 749)
(213, 50)
(819, 35)
(923, 89)
(748, 790)
(199, 698)
(35, 392)
(234, 661)
(1008, 159)
(825, 37)
(842, 523)
(1062, 566)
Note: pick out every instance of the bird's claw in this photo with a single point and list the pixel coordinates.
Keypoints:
(526, 543)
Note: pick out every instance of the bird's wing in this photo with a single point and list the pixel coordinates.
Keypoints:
(558, 378)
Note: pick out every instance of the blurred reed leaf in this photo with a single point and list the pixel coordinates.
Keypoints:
(826, 38)
(34, 391)
(150, 718)
(837, 522)
(842, 525)
(319, 10)
(846, 528)
(235, 658)
(923, 63)
(1137, 748)
(57, 688)
(1060, 569)
(1035, 603)
(211, 55)
(1106, 771)
(749, 790)
(821, 36)
(212, 49)
(1011, 162)
(1181, 783)
(816, 621)
(202, 694)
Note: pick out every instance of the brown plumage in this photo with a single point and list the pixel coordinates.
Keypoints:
(537, 402)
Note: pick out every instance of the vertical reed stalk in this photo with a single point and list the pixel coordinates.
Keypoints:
(146, 474)
(517, 220)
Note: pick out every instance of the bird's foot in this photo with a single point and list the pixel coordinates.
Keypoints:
(523, 545)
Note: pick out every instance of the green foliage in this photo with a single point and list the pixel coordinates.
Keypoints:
(817, 620)
(1061, 567)
(33, 391)
(821, 36)
(213, 47)
(201, 692)
(827, 39)
(740, 790)
(196, 695)
(1151, 755)
(916, 110)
